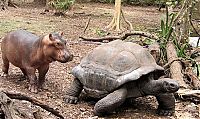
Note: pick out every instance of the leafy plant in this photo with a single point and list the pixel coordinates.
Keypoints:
(166, 32)
(62, 4)
(181, 49)
(100, 32)
(148, 41)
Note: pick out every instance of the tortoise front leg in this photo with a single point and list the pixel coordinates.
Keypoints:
(73, 92)
(166, 104)
(110, 102)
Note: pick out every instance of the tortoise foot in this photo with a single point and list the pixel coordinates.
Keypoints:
(70, 99)
(165, 112)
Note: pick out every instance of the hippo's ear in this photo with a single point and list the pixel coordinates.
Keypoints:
(51, 37)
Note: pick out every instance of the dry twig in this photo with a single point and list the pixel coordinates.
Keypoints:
(123, 37)
(87, 24)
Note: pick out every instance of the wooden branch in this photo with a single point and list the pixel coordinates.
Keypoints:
(100, 39)
(6, 105)
(123, 37)
(194, 79)
(34, 101)
(169, 63)
(9, 110)
(11, 4)
(187, 94)
(175, 67)
(140, 33)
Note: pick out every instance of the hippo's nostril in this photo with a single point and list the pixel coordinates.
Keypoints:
(67, 57)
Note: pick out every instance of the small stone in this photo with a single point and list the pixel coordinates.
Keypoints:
(94, 117)
(82, 109)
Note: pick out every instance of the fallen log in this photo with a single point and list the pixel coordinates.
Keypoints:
(169, 63)
(176, 73)
(9, 110)
(123, 37)
(194, 79)
(187, 94)
(175, 67)
(154, 49)
(20, 96)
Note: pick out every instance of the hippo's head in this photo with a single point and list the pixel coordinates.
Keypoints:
(55, 48)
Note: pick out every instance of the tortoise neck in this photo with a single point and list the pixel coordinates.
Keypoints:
(152, 87)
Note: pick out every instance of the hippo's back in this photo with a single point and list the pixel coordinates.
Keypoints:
(19, 36)
(17, 45)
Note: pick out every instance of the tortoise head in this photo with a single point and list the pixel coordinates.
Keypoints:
(169, 85)
(160, 86)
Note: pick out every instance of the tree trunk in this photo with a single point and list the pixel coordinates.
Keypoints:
(115, 23)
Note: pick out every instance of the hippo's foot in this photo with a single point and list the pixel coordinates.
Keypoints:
(23, 77)
(70, 99)
(165, 112)
(33, 88)
(4, 75)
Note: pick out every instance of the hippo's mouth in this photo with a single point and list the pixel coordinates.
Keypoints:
(52, 59)
(59, 60)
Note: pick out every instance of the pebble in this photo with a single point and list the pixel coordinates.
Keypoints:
(82, 109)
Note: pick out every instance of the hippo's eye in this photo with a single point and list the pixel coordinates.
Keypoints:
(58, 44)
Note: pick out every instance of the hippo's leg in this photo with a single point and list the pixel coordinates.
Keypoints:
(5, 66)
(166, 103)
(33, 79)
(73, 92)
(24, 77)
(110, 102)
(42, 72)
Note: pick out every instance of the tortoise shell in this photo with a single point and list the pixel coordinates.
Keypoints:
(113, 64)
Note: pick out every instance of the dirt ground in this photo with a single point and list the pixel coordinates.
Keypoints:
(34, 19)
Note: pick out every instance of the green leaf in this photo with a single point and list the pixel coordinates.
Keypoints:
(162, 28)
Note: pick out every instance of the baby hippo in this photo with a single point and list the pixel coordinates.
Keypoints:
(30, 52)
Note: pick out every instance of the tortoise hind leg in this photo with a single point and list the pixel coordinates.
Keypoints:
(110, 102)
(73, 92)
(166, 104)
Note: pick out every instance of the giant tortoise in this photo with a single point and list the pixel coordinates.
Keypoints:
(119, 70)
